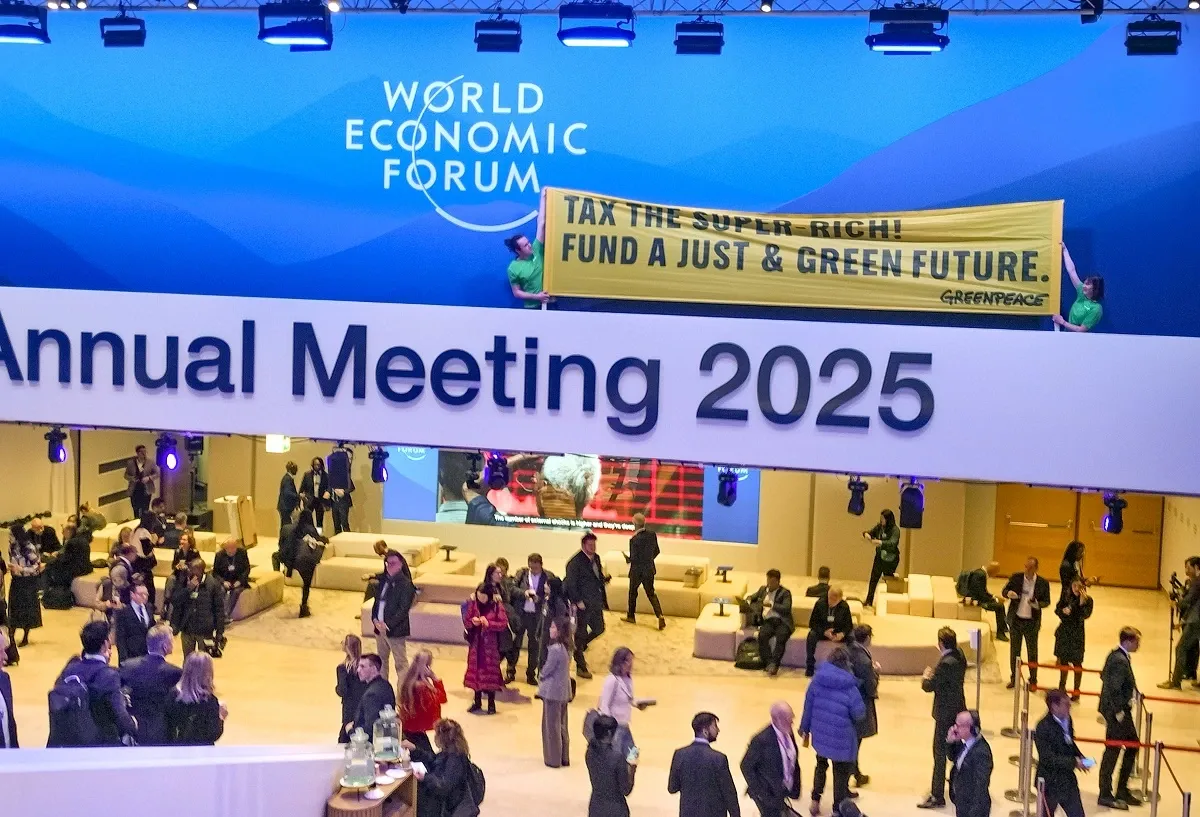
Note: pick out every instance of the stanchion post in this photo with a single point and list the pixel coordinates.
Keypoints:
(977, 641)
(1158, 749)
(1041, 799)
(1139, 719)
(1014, 731)
(1148, 739)
(1187, 804)
(1027, 749)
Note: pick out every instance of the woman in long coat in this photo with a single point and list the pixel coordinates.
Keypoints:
(484, 620)
(1074, 608)
(25, 565)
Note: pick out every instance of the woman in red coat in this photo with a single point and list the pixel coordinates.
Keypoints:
(421, 697)
(484, 620)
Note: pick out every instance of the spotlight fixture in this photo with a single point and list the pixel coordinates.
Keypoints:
(379, 456)
(167, 452)
(56, 450)
(52, 4)
(1090, 10)
(79, 4)
(333, 5)
(912, 504)
(497, 36)
(302, 26)
(1194, 4)
(123, 31)
(1113, 521)
(399, 5)
(193, 4)
(699, 37)
(194, 443)
(765, 5)
(909, 29)
(1153, 37)
(858, 502)
(23, 23)
(473, 475)
(596, 24)
(496, 476)
(727, 482)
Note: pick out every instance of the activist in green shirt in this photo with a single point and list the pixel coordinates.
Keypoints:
(1086, 311)
(525, 271)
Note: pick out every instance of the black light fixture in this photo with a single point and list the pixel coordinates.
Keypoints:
(194, 443)
(167, 452)
(858, 502)
(496, 476)
(765, 5)
(727, 482)
(23, 23)
(1090, 10)
(56, 449)
(498, 36)
(399, 5)
(1113, 522)
(699, 37)
(1153, 37)
(193, 4)
(123, 31)
(379, 457)
(474, 475)
(596, 24)
(912, 504)
(909, 29)
(301, 26)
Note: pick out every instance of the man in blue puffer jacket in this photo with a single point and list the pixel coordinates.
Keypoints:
(832, 706)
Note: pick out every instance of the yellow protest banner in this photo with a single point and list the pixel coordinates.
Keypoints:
(1002, 258)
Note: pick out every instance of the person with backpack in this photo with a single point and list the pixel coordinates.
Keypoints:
(87, 706)
(451, 785)
(198, 611)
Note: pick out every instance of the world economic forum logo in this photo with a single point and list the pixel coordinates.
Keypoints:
(460, 142)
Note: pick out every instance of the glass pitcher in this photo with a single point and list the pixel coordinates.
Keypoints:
(359, 769)
(387, 736)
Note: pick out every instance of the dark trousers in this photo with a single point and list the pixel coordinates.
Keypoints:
(941, 726)
(858, 754)
(284, 519)
(1188, 640)
(994, 605)
(341, 515)
(773, 635)
(648, 583)
(879, 569)
(810, 656)
(1023, 629)
(842, 769)
(1114, 730)
(1065, 793)
(527, 624)
(1062, 677)
(770, 808)
(589, 625)
(140, 500)
(319, 515)
(306, 577)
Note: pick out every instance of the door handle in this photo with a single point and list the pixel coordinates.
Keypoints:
(1041, 525)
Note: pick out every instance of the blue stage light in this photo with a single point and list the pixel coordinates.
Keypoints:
(909, 30)
(167, 452)
(727, 483)
(123, 31)
(56, 449)
(858, 502)
(498, 36)
(23, 24)
(1113, 521)
(379, 457)
(596, 25)
(302, 26)
(699, 37)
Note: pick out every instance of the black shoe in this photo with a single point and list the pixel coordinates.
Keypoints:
(304, 612)
(772, 670)
(582, 672)
(510, 675)
(474, 709)
(932, 802)
(24, 642)
(861, 780)
(662, 623)
(1112, 803)
(1010, 684)
(1002, 636)
(629, 619)
(1131, 799)
(808, 673)
(1170, 685)
(531, 679)
(491, 710)
(853, 795)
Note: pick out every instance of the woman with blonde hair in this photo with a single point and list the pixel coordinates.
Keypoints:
(421, 697)
(195, 717)
(124, 536)
(444, 788)
(349, 687)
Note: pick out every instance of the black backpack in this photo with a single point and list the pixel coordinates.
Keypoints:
(963, 585)
(476, 784)
(71, 721)
(748, 655)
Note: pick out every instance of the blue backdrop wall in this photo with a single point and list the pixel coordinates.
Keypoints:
(208, 162)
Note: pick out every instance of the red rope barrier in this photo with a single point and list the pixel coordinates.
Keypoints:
(1060, 667)
(1195, 702)
(1133, 744)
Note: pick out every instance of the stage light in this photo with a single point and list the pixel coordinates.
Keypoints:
(766, 5)
(52, 4)
(1153, 37)
(596, 25)
(333, 5)
(193, 4)
(496, 476)
(399, 5)
(912, 504)
(858, 502)
(1113, 522)
(123, 31)
(909, 30)
(23, 24)
(194, 443)
(301, 26)
(379, 471)
(727, 482)
(699, 37)
(278, 443)
(56, 450)
(498, 36)
(80, 4)
(167, 452)
(473, 475)
(1090, 10)
(1194, 4)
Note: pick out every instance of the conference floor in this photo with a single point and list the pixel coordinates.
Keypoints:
(277, 679)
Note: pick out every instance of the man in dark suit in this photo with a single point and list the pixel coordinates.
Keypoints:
(1058, 756)
(584, 585)
(150, 680)
(770, 766)
(8, 721)
(1118, 688)
(700, 774)
(132, 622)
(107, 702)
(945, 681)
(771, 607)
(1027, 594)
(140, 474)
(821, 588)
(377, 694)
(643, 550)
(289, 497)
(972, 585)
(231, 567)
(530, 587)
(1189, 622)
(971, 774)
(830, 621)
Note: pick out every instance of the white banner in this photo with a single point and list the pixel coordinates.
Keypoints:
(1075, 410)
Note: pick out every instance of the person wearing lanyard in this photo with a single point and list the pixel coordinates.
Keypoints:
(1059, 757)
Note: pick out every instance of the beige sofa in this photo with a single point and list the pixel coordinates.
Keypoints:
(349, 557)
(265, 590)
(676, 599)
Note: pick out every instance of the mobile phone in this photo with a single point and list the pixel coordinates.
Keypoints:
(633, 755)
(1089, 762)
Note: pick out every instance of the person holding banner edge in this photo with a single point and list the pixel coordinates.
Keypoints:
(1086, 312)
(525, 271)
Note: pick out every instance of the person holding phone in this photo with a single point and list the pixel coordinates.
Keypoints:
(1059, 756)
(971, 774)
(611, 771)
(616, 696)
(886, 538)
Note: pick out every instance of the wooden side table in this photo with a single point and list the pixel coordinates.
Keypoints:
(400, 800)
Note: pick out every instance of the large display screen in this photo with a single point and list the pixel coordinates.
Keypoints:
(570, 491)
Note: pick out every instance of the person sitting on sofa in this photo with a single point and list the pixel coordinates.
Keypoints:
(771, 608)
(73, 561)
(972, 585)
(830, 621)
(821, 588)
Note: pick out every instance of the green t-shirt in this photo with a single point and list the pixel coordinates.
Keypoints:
(526, 273)
(1084, 312)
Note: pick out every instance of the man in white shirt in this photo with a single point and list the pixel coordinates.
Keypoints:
(1027, 594)
(528, 595)
(132, 622)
